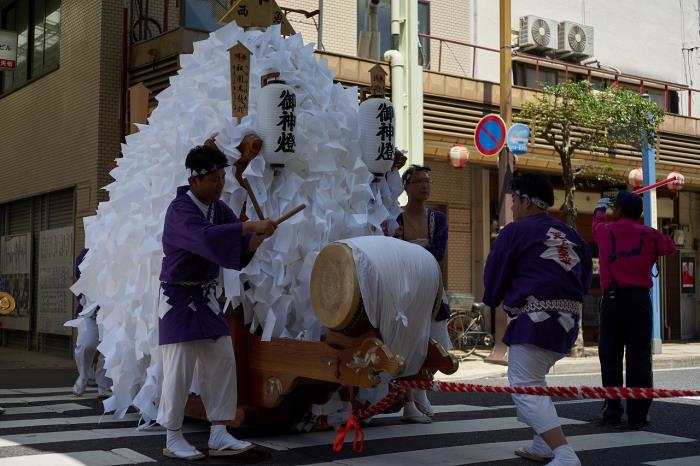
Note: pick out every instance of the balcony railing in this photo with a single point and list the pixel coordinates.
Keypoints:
(570, 69)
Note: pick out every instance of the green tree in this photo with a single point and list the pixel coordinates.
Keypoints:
(574, 117)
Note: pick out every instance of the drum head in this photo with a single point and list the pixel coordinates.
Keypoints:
(7, 304)
(335, 290)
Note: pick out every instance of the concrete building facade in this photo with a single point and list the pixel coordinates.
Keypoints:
(60, 132)
(62, 125)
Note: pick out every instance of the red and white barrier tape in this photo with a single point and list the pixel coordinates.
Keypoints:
(397, 391)
(615, 393)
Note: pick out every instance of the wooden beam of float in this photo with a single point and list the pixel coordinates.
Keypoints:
(239, 62)
(257, 14)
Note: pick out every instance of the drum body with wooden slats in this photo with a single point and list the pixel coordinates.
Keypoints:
(335, 292)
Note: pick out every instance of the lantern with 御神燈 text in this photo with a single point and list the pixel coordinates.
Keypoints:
(276, 121)
(377, 134)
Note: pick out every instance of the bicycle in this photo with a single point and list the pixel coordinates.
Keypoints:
(466, 333)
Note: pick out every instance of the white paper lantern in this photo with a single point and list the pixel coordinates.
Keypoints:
(276, 122)
(677, 185)
(377, 134)
(459, 156)
(636, 177)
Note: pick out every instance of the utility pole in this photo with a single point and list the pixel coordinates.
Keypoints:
(649, 174)
(499, 354)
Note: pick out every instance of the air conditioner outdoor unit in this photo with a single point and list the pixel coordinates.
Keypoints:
(575, 40)
(537, 33)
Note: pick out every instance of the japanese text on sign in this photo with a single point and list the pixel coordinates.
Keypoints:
(385, 115)
(288, 102)
(239, 61)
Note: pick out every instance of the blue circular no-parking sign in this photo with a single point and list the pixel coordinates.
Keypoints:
(490, 135)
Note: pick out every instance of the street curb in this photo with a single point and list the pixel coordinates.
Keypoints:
(569, 366)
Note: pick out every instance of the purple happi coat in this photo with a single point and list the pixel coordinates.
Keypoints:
(540, 269)
(195, 249)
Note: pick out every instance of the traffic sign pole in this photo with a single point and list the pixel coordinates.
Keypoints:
(499, 354)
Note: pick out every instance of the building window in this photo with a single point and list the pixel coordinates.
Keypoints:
(365, 24)
(526, 75)
(37, 23)
(204, 15)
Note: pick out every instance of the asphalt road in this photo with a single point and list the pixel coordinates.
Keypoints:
(468, 429)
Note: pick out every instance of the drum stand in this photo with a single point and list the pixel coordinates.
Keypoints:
(280, 378)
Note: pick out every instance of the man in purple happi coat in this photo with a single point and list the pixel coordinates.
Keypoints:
(201, 234)
(540, 269)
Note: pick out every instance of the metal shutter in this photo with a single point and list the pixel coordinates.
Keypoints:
(55, 210)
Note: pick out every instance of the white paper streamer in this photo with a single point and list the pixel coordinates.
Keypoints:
(120, 273)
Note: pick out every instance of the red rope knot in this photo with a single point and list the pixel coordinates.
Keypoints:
(358, 442)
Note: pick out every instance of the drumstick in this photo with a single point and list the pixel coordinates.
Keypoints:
(251, 195)
(290, 214)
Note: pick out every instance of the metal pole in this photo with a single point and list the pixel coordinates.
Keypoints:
(320, 25)
(649, 171)
(499, 354)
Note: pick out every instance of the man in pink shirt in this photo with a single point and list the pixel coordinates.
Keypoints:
(627, 252)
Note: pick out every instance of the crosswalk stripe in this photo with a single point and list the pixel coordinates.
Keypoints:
(685, 461)
(500, 451)
(37, 399)
(59, 408)
(93, 434)
(439, 409)
(67, 421)
(40, 391)
(287, 442)
(117, 457)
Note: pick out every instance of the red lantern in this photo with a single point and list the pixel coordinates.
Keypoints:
(677, 185)
(459, 156)
(636, 177)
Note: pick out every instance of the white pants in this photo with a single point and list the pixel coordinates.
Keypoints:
(527, 366)
(216, 366)
(438, 332)
(85, 349)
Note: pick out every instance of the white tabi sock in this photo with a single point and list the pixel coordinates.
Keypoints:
(565, 455)
(221, 439)
(540, 447)
(421, 398)
(175, 441)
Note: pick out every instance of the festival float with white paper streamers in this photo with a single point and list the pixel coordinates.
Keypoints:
(323, 170)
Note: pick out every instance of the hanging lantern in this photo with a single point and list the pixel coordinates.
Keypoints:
(677, 185)
(377, 134)
(276, 121)
(459, 156)
(636, 177)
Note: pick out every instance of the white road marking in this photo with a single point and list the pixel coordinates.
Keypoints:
(501, 451)
(67, 421)
(60, 408)
(40, 391)
(287, 442)
(686, 461)
(116, 457)
(92, 434)
(37, 399)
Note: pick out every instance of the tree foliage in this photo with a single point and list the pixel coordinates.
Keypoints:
(574, 117)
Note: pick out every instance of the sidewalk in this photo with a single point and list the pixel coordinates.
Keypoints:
(12, 358)
(673, 355)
